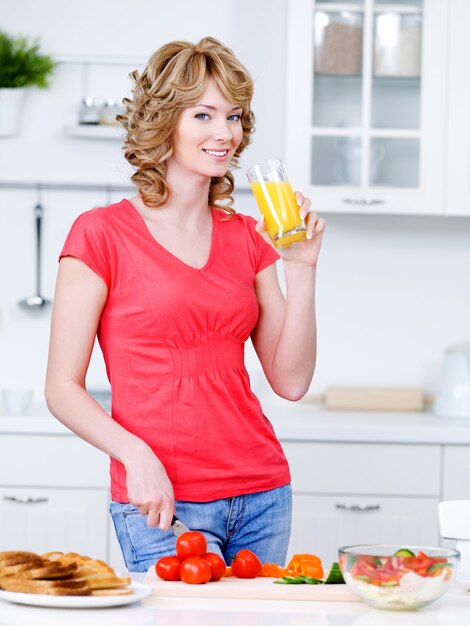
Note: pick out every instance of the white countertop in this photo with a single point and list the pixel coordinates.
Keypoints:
(37, 421)
(302, 421)
(312, 422)
(452, 610)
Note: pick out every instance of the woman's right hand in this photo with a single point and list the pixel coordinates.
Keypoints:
(150, 489)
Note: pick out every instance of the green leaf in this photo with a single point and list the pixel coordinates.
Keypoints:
(21, 64)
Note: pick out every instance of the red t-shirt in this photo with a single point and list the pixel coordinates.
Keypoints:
(173, 339)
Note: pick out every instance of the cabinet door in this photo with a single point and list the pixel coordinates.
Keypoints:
(365, 104)
(456, 473)
(322, 524)
(57, 461)
(364, 468)
(458, 116)
(43, 520)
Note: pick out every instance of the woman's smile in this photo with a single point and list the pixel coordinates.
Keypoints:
(219, 155)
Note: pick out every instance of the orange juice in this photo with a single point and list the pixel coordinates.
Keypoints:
(276, 201)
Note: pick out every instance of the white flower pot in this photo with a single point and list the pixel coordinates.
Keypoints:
(11, 107)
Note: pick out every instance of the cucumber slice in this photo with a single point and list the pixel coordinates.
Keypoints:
(333, 576)
(404, 552)
(366, 579)
(298, 580)
(437, 566)
(289, 580)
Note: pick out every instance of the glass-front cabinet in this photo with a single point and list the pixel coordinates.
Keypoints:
(458, 111)
(366, 104)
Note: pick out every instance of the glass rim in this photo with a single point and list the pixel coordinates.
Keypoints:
(355, 550)
(274, 161)
(260, 170)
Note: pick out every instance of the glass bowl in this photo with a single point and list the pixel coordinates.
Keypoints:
(398, 577)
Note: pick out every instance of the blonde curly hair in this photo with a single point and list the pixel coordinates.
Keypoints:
(174, 79)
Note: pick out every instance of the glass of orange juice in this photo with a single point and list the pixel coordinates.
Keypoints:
(276, 201)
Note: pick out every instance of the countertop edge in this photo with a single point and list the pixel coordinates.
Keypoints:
(304, 422)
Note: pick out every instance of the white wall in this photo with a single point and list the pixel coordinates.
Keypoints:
(392, 291)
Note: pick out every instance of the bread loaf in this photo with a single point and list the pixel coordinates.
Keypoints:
(56, 573)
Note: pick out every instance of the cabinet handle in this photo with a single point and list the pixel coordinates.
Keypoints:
(362, 201)
(361, 508)
(25, 499)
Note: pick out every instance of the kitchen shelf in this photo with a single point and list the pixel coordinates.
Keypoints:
(341, 131)
(43, 185)
(355, 7)
(107, 132)
(97, 59)
(398, 8)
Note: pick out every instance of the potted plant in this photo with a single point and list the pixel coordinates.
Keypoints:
(21, 66)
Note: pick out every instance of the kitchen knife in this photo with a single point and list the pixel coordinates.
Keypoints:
(178, 527)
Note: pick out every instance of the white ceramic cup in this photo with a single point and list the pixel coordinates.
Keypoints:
(16, 401)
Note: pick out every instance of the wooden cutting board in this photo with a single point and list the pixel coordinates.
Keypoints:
(372, 399)
(254, 589)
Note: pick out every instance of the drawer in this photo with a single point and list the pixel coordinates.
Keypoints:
(356, 468)
(322, 524)
(43, 520)
(54, 461)
(456, 473)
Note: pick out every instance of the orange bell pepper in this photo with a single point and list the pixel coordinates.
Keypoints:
(272, 570)
(306, 565)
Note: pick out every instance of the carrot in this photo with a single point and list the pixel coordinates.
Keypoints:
(228, 572)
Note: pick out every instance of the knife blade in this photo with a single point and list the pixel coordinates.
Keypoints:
(178, 527)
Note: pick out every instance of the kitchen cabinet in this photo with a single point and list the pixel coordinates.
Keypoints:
(458, 117)
(53, 495)
(366, 104)
(322, 524)
(54, 490)
(352, 493)
(45, 519)
(456, 473)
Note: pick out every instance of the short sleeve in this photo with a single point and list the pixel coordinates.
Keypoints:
(87, 240)
(262, 253)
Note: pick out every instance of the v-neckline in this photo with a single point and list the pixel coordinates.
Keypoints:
(170, 254)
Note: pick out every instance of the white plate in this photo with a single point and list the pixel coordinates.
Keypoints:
(77, 602)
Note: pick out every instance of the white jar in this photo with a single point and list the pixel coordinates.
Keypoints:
(338, 43)
(109, 112)
(397, 45)
(89, 113)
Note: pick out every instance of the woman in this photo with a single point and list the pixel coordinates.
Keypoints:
(173, 282)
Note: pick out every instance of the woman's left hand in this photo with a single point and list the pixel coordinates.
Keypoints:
(303, 252)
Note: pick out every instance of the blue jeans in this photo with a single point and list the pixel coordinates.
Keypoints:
(258, 521)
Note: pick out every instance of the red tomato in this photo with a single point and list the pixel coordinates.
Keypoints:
(246, 564)
(168, 568)
(217, 564)
(189, 544)
(195, 570)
